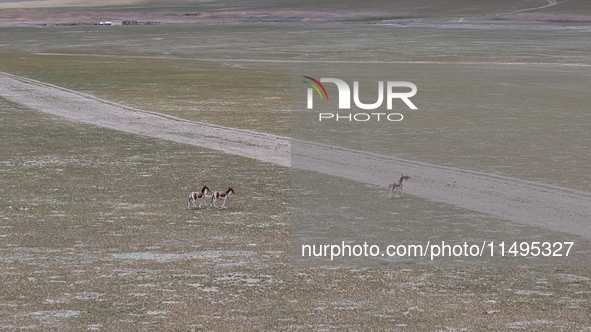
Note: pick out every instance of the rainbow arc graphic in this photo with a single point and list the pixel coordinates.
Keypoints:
(317, 86)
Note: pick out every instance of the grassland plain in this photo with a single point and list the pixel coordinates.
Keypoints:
(95, 230)
(96, 235)
(522, 202)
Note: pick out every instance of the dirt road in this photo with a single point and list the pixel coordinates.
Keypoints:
(555, 208)
(80, 107)
(550, 4)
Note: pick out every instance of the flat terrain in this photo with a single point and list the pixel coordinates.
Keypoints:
(524, 202)
(96, 235)
(106, 130)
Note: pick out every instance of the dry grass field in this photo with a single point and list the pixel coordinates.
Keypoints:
(95, 233)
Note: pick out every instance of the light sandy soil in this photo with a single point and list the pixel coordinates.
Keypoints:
(526, 202)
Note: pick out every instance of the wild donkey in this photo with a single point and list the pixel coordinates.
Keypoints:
(198, 195)
(398, 185)
(221, 194)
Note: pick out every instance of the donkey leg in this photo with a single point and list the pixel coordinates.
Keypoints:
(223, 205)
